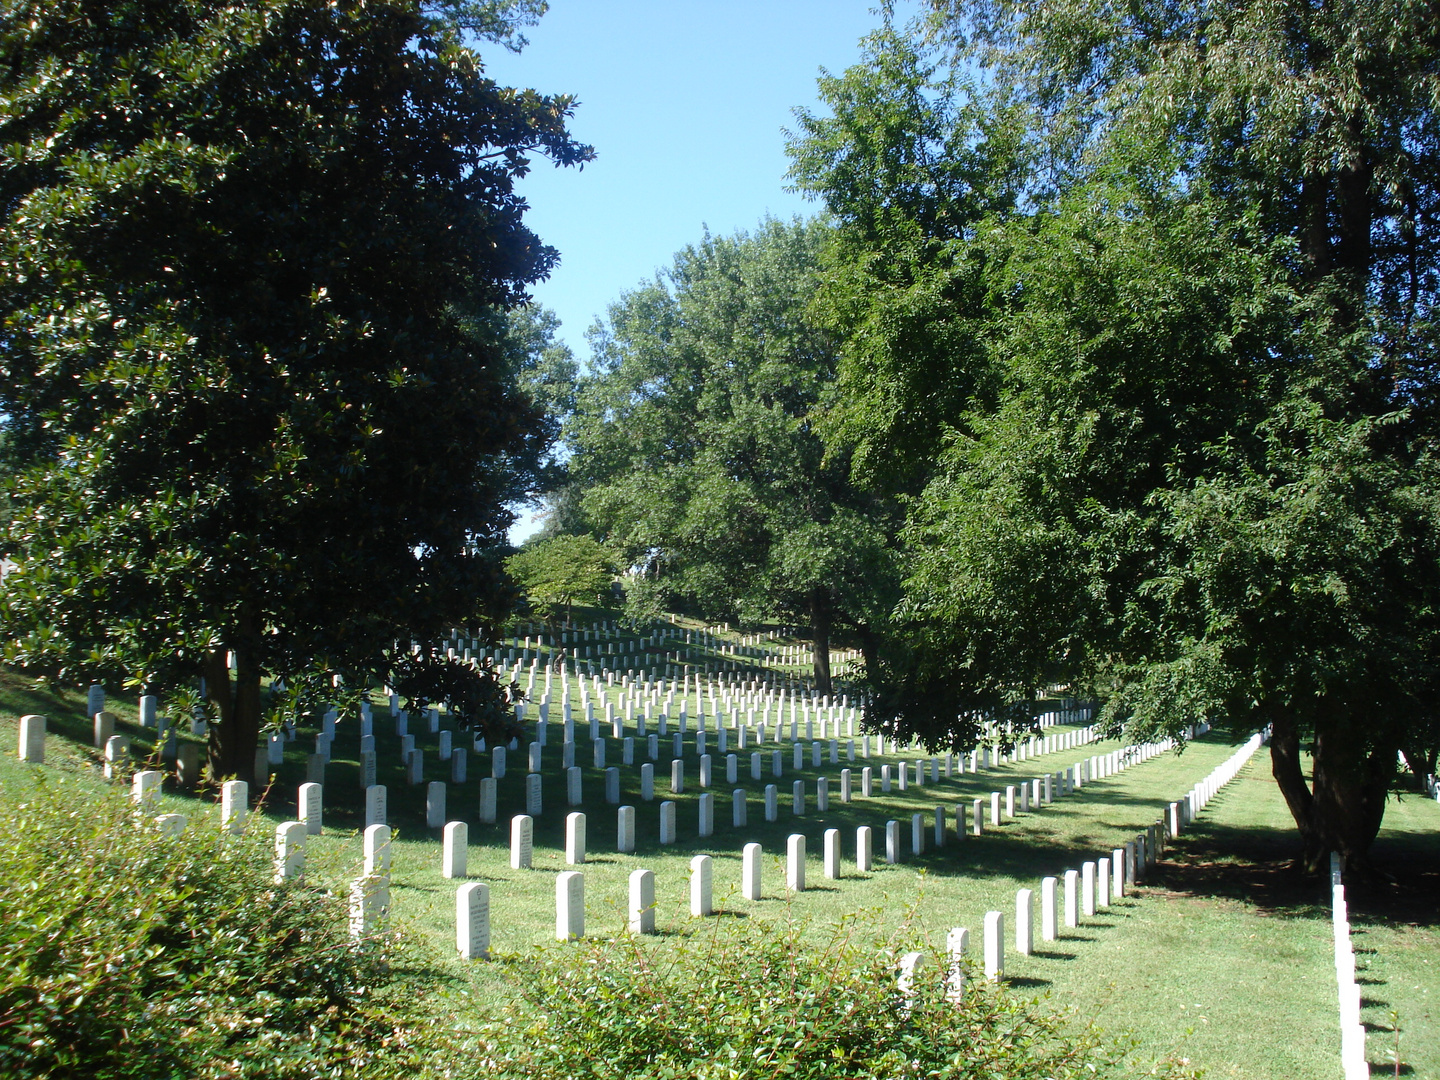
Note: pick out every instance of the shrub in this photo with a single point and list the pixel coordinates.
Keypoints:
(127, 954)
(766, 999)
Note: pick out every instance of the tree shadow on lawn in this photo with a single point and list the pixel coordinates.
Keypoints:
(1257, 865)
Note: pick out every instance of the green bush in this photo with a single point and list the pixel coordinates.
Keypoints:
(127, 954)
(751, 998)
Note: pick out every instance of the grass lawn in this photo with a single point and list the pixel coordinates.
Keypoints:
(1221, 958)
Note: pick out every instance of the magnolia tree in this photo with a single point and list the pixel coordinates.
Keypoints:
(252, 423)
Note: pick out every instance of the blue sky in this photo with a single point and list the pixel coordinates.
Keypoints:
(685, 103)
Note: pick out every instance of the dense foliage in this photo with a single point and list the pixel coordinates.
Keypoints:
(765, 999)
(1138, 303)
(124, 953)
(695, 452)
(558, 572)
(250, 407)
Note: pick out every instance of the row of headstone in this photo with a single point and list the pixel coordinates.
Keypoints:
(1352, 1029)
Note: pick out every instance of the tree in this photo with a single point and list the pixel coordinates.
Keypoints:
(246, 412)
(1193, 469)
(694, 444)
(556, 573)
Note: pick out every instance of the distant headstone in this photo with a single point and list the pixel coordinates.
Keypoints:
(289, 851)
(472, 921)
(435, 804)
(702, 874)
(32, 738)
(625, 829)
(574, 839)
(795, 862)
(642, 902)
(455, 849)
(667, 822)
(522, 828)
(864, 849)
(994, 945)
(750, 871)
(309, 803)
(570, 906)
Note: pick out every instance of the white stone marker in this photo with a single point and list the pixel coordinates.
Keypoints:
(369, 900)
(415, 766)
(917, 834)
(435, 804)
(994, 945)
(957, 944)
(534, 805)
(642, 902)
(573, 793)
(864, 849)
(1087, 889)
(597, 749)
(117, 748)
(574, 839)
(677, 776)
(885, 779)
(795, 862)
(497, 763)
(570, 906)
(1024, 921)
(145, 787)
(534, 751)
(104, 727)
(647, 781)
(1072, 898)
(94, 699)
(472, 921)
(234, 805)
(867, 781)
(625, 829)
(707, 815)
(994, 809)
(32, 738)
(289, 851)
(892, 842)
(309, 806)
(1117, 872)
(376, 805)
(488, 787)
(1049, 929)
(1102, 881)
(772, 802)
(522, 841)
(1010, 800)
(750, 871)
(757, 766)
(822, 794)
(455, 849)
(667, 822)
(845, 793)
(977, 819)
(169, 825)
(832, 854)
(797, 798)
(702, 886)
(377, 851)
(909, 967)
(739, 815)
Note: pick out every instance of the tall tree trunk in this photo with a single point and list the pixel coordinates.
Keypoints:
(820, 627)
(1341, 808)
(236, 736)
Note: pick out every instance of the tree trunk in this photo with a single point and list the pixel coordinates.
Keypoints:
(236, 736)
(1342, 807)
(820, 627)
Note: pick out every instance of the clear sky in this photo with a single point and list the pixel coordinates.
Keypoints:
(685, 102)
